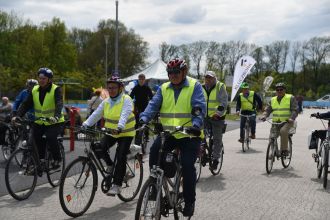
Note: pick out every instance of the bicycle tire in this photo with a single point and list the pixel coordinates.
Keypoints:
(198, 167)
(325, 167)
(54, 176)
(319, 165)
(145, 199)
(286, 160)
(7, 149)
(132, 180)
(217, 171)
(270, 156)
(23, 182)
(178, 208)
(73, 175)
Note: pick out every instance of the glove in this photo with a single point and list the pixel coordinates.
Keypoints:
(117, 131)
(16, 119)
(83, 127)
(216, 117)
(194, 131)
(53, 120)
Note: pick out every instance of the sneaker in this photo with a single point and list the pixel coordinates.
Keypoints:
(214, 164)
(253, 136)
(241, 140)
(114, 190)
(189, 209)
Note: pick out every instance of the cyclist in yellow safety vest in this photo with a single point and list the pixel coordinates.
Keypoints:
(175, 100)
(117, 111)
(248, 103)
(47, 101)
(285, 109)
(216, 104)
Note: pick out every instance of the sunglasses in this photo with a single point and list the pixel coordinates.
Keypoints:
(173, 71)
(279, 90)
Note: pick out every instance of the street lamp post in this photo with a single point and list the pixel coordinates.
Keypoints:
(116, 43)
(106, 38)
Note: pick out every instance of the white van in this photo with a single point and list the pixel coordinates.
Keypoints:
(325, 98)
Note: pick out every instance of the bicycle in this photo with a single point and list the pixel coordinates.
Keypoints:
(162, 192)
(81, 176)
(24, 165)
(247, 132)
(321, 156)
(12, 139)
(205, 153)
(273, 151)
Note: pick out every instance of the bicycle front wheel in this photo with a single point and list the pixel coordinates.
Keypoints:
(9, 147)
(319, 164)
(21, 174)
(77, 187)
(54, 173)
(287, 159)
(325, 167)
(147, 205)
(270, 157)
(132, 180)
(198, 163)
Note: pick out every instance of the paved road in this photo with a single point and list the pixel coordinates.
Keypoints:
(243, 190)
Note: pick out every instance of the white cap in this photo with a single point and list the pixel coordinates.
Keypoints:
(210, 73)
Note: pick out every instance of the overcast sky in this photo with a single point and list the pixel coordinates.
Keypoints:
(185, 21)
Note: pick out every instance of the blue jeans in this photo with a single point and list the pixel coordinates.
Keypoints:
(188, 151)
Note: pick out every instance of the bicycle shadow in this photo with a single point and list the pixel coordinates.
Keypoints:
(211, 183)
(283, 173)
(249, 151)
(35, 200)
(116, 212)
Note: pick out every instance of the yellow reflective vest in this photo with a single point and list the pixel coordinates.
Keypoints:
(176, 114)
(247, 102)
(47, 109)
(211, 101)
(112, 114)
(281, 111)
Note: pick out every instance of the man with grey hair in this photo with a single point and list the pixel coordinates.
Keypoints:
(216, 98)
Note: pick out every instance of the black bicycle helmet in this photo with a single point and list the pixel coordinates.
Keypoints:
(46, 72)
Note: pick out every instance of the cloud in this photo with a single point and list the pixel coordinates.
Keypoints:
(189, 14)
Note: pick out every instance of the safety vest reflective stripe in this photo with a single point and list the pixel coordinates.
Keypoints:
(175, 115)
(112, 114)
(116, 121)
(281, 111)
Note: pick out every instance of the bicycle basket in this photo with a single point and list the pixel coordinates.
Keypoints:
(313, 141)
(168, 164)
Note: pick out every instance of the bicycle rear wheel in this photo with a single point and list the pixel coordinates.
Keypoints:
(147, 205)
(287, 159)
(21, 178)
(217, 171)
(77, 187)
(325, 167)
(54, 174)
(132, 180)
(270, 157)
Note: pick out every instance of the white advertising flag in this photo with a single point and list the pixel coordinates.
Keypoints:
(267, 82)
(242, 69)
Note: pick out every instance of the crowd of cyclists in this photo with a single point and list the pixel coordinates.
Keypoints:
(172, 104)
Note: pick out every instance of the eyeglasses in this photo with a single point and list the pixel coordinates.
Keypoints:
(173, 71)
(279, 90)
(113, 88)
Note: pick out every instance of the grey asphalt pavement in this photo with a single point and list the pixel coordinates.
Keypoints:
(243, 190)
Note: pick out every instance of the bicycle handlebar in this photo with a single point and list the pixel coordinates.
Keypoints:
(247, 116)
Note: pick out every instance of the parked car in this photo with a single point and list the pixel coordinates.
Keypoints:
(325, 98)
